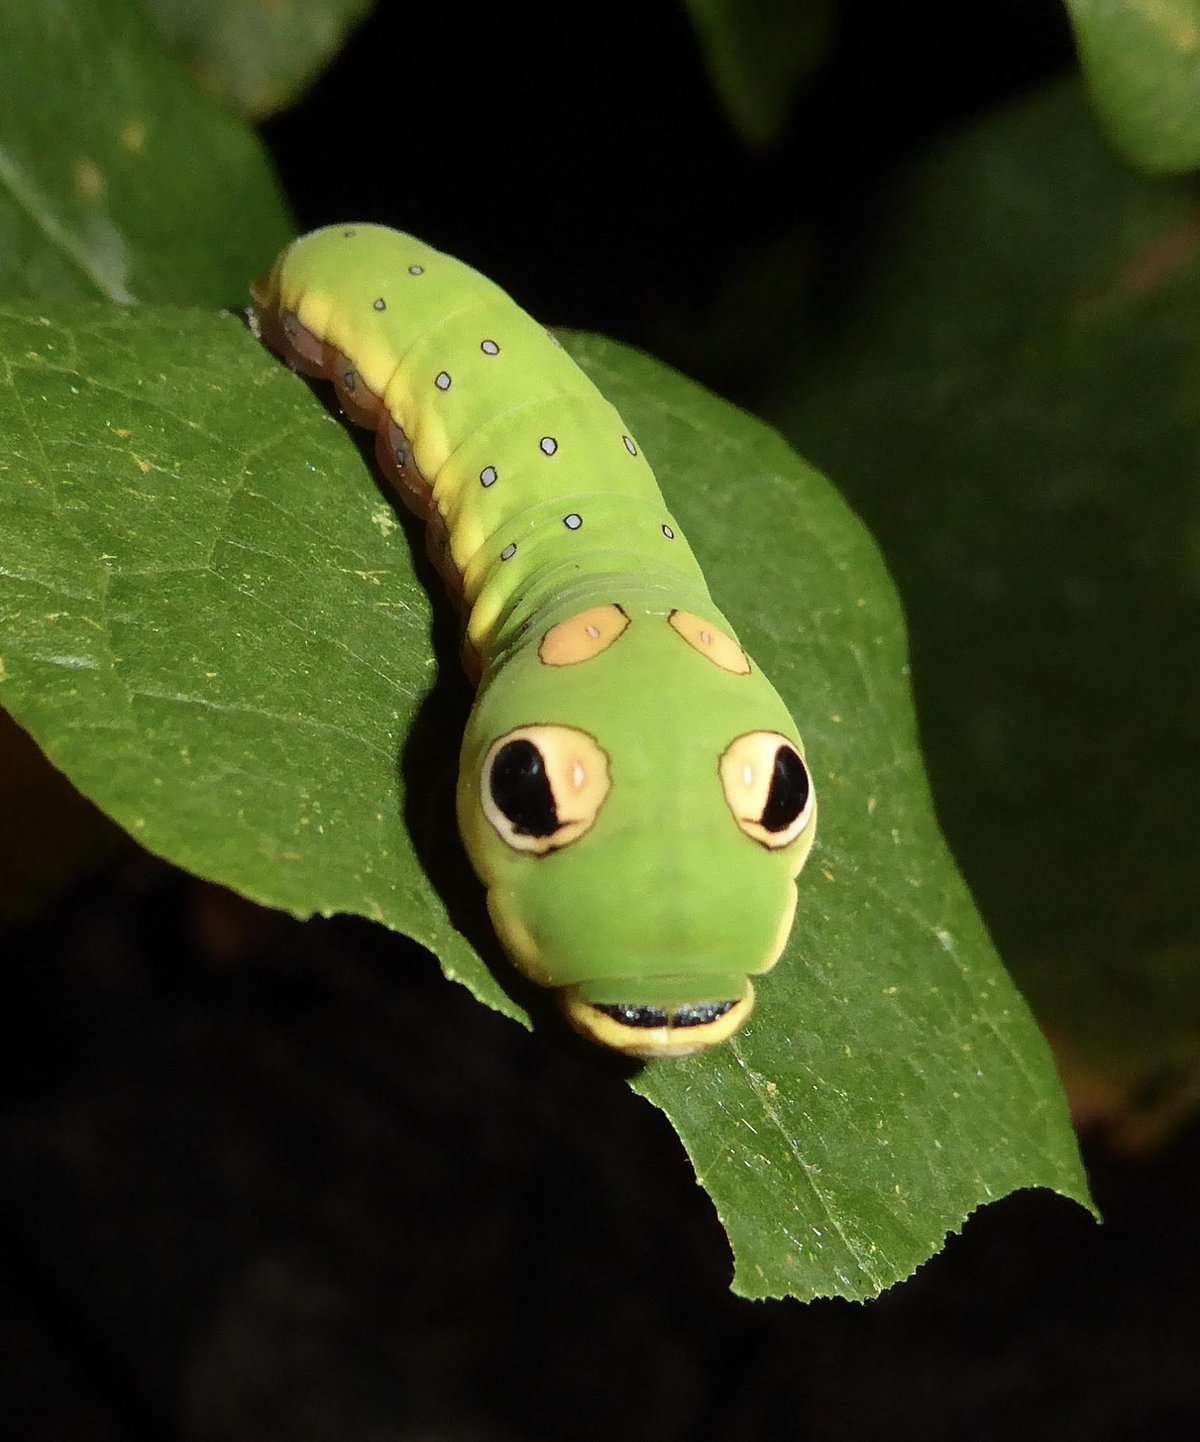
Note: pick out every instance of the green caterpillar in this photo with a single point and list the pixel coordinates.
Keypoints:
(632, 790)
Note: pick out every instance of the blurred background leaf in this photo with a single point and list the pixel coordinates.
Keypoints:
(1142, 62)
(117, 181)
(256, 56)
(758, 53)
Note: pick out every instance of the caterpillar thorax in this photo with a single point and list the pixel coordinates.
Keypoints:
(632, 790)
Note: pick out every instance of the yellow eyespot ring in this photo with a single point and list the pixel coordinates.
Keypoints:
(767, 788)
(543, 786)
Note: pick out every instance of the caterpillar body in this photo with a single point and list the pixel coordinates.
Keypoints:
(632, 790)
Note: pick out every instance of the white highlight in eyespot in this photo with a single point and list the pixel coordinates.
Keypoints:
(578, 776)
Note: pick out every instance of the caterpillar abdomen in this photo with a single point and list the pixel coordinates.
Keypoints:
(507, 471)
(632, 791)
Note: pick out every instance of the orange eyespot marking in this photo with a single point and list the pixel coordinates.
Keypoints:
(583, 636)
(712, 643)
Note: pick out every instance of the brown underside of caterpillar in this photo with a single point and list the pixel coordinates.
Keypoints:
(307, 353)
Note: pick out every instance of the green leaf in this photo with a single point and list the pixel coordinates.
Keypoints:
(211, 621)
(216, 599)
(256, 58)
(117, 180)
(758, 53)
(1005, 384)
(1142, 62)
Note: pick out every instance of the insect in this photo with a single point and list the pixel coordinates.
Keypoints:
(632, 791)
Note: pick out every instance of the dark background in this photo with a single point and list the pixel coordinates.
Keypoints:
(265, 1180)
(589, 165)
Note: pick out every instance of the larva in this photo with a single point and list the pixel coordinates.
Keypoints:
(632, 791)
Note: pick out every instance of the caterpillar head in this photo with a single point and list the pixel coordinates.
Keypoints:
(634, 796)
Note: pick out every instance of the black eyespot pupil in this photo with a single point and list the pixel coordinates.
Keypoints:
(521, 789)
(788, 795)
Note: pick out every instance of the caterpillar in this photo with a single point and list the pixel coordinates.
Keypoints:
(632, 790)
